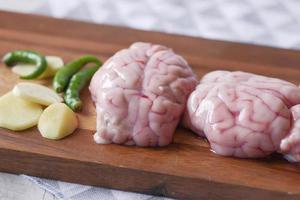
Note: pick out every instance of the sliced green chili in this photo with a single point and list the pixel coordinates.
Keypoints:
(77, 82)
(28, 57)
(63, 76)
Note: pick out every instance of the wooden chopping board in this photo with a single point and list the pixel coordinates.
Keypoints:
(186, 169)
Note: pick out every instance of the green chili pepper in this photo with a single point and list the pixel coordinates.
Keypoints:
(63, 75)
(77, 82)
(29, 57)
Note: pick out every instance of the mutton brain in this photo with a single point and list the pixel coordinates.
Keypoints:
(242, 114)
(140, 94)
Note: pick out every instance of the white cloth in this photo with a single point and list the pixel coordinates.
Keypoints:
(266, 22)
(69, 191)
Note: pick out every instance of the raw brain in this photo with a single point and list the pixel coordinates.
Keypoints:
(245, 115)
(291, 144)
(140, 94)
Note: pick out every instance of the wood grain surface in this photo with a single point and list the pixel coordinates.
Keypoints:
(186, 169)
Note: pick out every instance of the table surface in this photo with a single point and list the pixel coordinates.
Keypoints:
(19, 188)
(265, 32)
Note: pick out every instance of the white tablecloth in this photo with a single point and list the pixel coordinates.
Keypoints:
(266, 22)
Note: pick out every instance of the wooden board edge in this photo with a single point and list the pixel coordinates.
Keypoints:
(151, 183)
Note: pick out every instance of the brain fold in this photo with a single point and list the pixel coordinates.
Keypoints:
(140, 94)
(243, 114)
